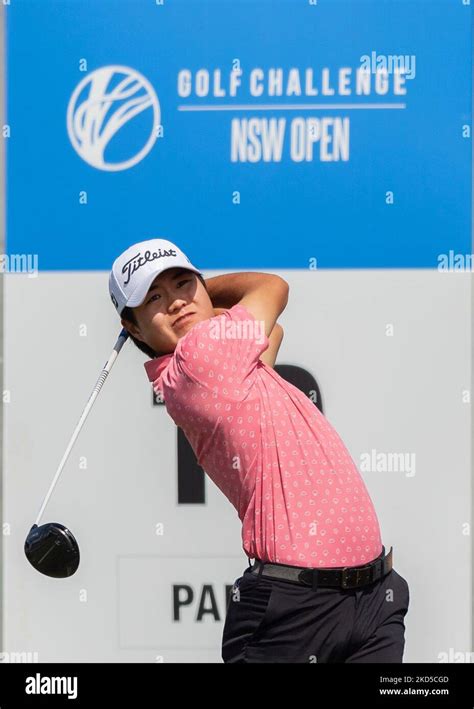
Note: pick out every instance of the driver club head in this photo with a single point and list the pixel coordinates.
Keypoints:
(52, 550)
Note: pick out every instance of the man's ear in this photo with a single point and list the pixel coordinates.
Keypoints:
(132, 328)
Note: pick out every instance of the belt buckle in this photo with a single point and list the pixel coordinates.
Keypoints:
(344, 580)
(305, 577)
(359, 573)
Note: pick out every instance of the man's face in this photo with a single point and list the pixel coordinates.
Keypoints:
(174, 293)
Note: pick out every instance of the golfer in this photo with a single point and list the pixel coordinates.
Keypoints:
(322, 587)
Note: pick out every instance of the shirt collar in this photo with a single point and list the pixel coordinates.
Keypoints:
(155, 367)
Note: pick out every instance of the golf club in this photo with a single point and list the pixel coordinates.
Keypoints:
(52, 548)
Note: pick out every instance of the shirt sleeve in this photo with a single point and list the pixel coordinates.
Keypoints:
(223, 353)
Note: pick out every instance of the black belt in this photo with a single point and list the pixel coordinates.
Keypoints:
(342, 576)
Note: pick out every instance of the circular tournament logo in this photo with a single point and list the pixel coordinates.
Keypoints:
(112, 118)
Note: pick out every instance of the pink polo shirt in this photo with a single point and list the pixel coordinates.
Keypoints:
(264, 443)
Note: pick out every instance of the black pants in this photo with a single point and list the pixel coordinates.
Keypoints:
(271, 620)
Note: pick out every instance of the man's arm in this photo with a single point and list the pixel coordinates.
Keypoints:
(275, 339)
(264, 295)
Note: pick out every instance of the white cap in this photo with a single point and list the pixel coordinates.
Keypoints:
(135, 269)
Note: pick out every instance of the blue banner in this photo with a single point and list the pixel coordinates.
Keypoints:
(255, 134)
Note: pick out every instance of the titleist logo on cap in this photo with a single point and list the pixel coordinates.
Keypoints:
(137, 261)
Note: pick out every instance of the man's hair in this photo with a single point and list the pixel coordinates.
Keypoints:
(128, 314)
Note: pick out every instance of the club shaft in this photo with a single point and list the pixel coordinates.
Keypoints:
(95, 392)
